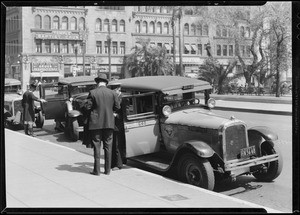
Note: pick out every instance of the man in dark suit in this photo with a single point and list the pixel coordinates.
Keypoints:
(104, 102)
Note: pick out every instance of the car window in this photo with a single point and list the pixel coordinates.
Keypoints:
(138, 105)
(56, 92)
(12, 89)
(81, 89)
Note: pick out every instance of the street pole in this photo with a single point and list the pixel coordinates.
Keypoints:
(174, 42)
(180, 42)
(83, 57)
(109, 54)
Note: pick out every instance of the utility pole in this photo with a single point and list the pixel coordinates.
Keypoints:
(174, 41)
(180, 42)
(83, 55)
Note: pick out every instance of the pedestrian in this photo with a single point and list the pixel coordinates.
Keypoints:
(118, 147)
(29, 109)
(104, 102)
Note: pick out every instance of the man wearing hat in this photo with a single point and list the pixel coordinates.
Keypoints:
(103, 102)
(28, 109)
(119, 133)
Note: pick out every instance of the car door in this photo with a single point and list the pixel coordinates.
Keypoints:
(56, 95)
(140, 124)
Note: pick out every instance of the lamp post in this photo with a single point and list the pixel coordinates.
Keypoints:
(109, 53)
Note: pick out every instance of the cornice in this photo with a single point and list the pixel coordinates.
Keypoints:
(64, 11)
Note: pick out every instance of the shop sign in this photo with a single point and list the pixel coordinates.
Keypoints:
(59, 36)
(44, 67)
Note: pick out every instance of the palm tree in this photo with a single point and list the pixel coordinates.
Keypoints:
(147, 60)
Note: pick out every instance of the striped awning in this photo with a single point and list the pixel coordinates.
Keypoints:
(194, 47)
(188, 47)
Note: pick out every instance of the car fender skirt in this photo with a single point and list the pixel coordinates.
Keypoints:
(262, 131)
(74, 113)
(202, 149)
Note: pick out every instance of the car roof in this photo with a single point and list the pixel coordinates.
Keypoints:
(167, 84)
(12, 81)
(78, 80)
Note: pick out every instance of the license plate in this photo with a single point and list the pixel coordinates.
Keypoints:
(247, 152)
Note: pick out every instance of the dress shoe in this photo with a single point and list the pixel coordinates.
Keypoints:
(93, 173)
(107, 173)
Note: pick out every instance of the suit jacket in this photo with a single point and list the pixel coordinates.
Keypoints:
(104, 103)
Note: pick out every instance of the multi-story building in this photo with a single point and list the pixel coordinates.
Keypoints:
(52, 42)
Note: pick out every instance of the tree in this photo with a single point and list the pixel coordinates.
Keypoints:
(217, 74)
(147, 60)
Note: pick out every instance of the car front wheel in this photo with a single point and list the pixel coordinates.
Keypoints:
(272, 169)
(196, 171)
(73, 129)
(39, 122)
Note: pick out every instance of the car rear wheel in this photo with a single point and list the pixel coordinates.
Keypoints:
(196, 171)
(39, 122)
(273, 169)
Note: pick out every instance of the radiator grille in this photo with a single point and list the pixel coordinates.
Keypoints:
(235, 140)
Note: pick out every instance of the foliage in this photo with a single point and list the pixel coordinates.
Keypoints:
(147, 60)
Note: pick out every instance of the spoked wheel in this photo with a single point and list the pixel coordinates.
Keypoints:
(39, 122)
(196, 171)
(273, 169)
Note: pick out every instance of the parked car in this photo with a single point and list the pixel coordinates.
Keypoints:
(13, 109)
(168, 128)
(63, 102)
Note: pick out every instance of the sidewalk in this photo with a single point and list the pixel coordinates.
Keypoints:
(41, 174)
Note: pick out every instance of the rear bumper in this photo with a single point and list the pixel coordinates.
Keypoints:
(238, 164)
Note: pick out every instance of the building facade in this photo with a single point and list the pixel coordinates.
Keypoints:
(47, 43)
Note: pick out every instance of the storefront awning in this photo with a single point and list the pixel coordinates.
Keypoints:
(188, 47)
(45, 74)
(194, 47)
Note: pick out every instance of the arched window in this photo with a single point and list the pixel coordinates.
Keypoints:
(166, 28)
(151, 28)
(242, 31)
(122, 26)
(145, 27)
(158, 28)
(98, 26)
(64, 23)
(137, 27)
(247, 33)
(81, 23)
(56, 22)
(114, 26)
(106, 25)
(199, 30)
(38, 21)
(73, 23)
(47, 22)
(186, 29)
(205, 30)
(193, 29)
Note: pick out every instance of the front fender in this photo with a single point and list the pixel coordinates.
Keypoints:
(201, 148)
(259, 134)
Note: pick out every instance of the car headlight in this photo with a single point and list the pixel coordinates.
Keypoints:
(211, 103)
(167, 110)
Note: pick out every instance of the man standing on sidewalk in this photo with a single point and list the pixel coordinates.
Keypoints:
(103, 102)
(29, 109)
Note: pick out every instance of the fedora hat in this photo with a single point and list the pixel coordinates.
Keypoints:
(33, 85)
(101, 77)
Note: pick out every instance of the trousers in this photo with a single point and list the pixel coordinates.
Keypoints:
(106, 136)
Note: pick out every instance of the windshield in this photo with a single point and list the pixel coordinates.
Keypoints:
(12, 89)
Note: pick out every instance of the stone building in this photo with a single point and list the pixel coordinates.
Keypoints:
(47, 43)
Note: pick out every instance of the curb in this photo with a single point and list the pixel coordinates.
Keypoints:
(255, 111)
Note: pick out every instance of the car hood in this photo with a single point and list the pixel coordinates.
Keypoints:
(197, 117)
(11, 97)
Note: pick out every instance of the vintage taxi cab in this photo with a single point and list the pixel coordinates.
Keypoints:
(13, 106)
(168, 128)
(63, 102)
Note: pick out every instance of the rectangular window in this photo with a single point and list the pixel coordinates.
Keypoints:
(64, 47)
(114, 47)
(72, 47)
(219, 50)
(159, 44)
(122, 47)
(105, 47)
(224, 32)
(98, 47)
(200, 49)
(193, 49)
(224, 50)
(242, 51)
(48, 46)
(230, 50)
(56, 46)
(248, 53)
